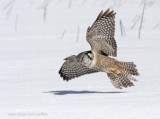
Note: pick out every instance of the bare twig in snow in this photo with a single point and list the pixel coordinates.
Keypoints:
(44, 7)
(122, 29)
(9, 8)
(16, 22)
(140, 27)
(156, 26)
(136, 19)
(78, 34)
(45, 14)
(63, 33)
(10, 3)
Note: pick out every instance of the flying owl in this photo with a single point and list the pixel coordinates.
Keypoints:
(100, 36)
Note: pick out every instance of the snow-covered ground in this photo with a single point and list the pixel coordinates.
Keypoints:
(33, 46)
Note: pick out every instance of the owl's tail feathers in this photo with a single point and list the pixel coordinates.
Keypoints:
(129, 68)
(124, 78)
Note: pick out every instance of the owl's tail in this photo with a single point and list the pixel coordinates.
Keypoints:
(129, 68)
(124, 76)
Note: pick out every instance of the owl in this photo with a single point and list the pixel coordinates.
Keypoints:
(100, 36)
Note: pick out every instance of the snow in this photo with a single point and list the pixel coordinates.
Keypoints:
(32, 51)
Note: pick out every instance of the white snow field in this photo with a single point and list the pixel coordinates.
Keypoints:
(35, 37)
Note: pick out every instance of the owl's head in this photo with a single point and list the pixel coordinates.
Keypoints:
(86, 58)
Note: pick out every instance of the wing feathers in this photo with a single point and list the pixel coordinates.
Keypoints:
(99, 16)
(110, 14)
(72, 68)
(106, 12)
(101, 34)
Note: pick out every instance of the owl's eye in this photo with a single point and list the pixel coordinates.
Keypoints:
(82, 59)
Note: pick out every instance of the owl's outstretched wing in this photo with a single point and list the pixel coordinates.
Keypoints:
(101, 34)
(72, 68)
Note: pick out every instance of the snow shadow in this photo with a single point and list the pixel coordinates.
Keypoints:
(66, 92)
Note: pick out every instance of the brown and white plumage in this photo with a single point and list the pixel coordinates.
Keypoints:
(72, 67)
(101, 34)
(101, 38)
(120, 73)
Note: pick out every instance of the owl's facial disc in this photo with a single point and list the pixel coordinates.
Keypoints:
(87, 59)
(90, 55)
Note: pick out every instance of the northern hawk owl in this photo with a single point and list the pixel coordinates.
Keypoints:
(101, 38)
